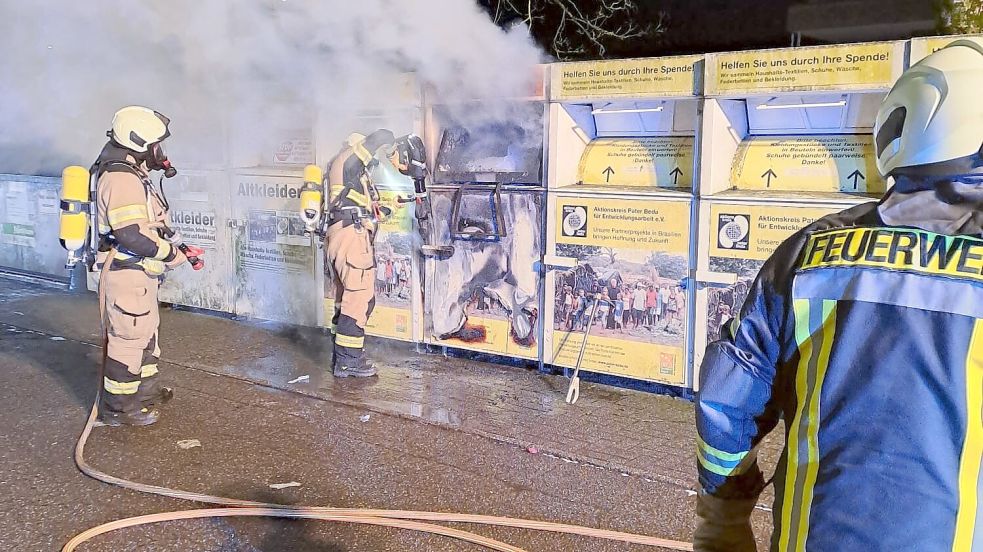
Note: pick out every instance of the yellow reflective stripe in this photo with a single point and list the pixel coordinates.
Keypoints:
(163, 249)
(812, 427)
(120, 388)
(726, 456)
(152, 267)
(803, 339)
(804, 429)
(718, 469)
(127, 213)
(349, 341)
(148, 370)
(358, 197)
(972, 454)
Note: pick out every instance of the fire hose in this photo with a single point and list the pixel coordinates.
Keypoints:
(399, 519)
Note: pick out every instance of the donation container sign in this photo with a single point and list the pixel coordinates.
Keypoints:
(632, 255)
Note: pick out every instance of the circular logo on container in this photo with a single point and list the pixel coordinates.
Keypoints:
(734, 232)
(575, 221)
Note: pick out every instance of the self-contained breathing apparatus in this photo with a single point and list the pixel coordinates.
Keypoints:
(78, 202)
(409, 157)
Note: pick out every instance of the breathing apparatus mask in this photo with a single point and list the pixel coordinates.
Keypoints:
(157, 160)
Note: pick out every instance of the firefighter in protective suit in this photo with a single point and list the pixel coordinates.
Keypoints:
(352, 215)
(864, 332)
(133, 256)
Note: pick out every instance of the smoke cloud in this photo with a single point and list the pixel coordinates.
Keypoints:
(237, 76)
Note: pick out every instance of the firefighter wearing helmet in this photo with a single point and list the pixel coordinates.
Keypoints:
(135, 249)
(864, 332)
(353, 214)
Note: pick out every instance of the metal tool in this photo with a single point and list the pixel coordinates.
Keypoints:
(573, 391)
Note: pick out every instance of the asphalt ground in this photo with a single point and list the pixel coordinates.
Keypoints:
(414, 439)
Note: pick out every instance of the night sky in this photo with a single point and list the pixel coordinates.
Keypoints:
(701, 26)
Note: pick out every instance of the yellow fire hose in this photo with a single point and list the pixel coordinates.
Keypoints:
(399, 519)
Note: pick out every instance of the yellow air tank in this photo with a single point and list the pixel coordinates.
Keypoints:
(311, 197)
(74, 227)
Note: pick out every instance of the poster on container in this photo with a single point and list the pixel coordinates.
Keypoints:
(29, 225)
(200, 213)
(742, 237)
(632, 255)
(396, 281)
(274, 263)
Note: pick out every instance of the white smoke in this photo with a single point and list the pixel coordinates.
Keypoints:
(234, 76)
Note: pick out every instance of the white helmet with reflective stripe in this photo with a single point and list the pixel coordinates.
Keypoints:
(136, 128)
(932, 120)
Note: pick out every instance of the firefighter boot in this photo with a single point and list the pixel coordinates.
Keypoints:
(143, 417)
(358, 369)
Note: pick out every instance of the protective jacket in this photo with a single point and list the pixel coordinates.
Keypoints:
(350, 186)
(129, 217)
(129, 213)
(350, 252)
(864, 332)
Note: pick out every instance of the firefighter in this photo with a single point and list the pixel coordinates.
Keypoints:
(864, 332)
(133, 256)
(353, 214)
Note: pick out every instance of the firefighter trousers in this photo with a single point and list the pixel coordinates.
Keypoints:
(351, 263)
(130, 378)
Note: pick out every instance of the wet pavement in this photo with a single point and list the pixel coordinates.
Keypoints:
(431, 433)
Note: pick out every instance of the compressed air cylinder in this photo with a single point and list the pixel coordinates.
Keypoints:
(310, 195)
(74, 208)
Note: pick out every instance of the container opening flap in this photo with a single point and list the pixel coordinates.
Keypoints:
(625, 118)
(644, 162)
(813, 113)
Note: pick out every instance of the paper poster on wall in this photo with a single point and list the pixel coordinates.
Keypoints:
(637, 78)
(485, 296)
(29, 226)
(742, 237)
(833, 163)
(200, 213)
(48, 202)
(274, 260)
(653, 162)
(632, 255)
(298, 150)
(17, 225)
(842, 67)
(395, 250)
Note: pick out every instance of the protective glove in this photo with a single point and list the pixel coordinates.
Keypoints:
(724, 525)
(196, 253)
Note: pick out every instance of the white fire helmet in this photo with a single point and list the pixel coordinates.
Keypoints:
(934, 114)
(137, 128)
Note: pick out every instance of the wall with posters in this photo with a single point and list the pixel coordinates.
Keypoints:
(29, 225)
(632, 255)
(200, 210)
